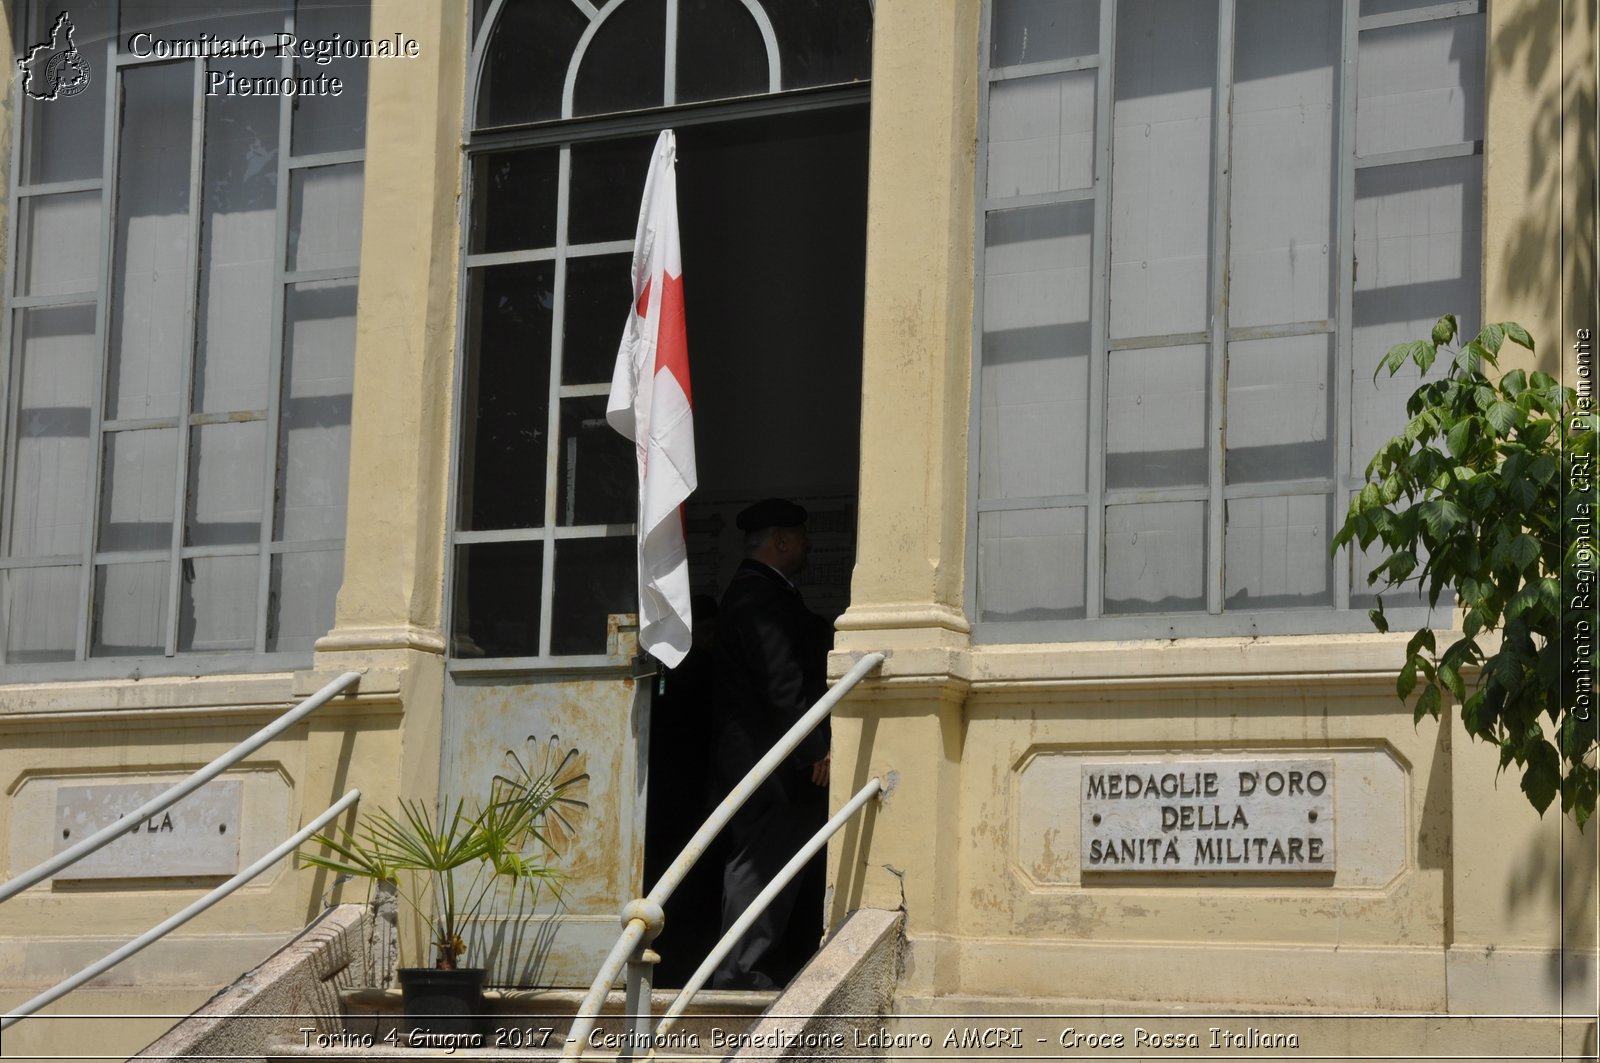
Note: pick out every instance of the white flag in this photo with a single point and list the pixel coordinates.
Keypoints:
(650, 405)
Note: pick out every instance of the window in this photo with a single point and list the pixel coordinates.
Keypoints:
(180, 341)
(1202, 223)
(543, 549)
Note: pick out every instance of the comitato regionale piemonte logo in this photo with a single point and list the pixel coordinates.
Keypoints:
(54, 69)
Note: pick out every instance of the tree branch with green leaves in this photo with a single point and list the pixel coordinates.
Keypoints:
(1473, 498)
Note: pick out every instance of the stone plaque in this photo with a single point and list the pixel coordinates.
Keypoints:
(197, 837)
(1262, 816)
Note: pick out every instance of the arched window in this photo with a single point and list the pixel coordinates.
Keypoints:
(545, 60)
(542, 542)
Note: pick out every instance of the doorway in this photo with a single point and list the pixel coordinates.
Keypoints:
(772, 210)
(773, 220)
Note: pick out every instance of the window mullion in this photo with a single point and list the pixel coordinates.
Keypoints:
(669, 65)
(1099, 317)
(278, 336)
(1222, 139)
(552, 478)
(110, 165)
(180, 513)
(1344, 317)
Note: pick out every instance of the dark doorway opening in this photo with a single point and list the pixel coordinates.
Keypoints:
(773, 218)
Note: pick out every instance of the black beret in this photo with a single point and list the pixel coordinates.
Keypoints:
(771, 513)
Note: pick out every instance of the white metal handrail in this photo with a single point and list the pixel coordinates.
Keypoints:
(795, 865)
(62, 988)
(170, 797)
(644, 915)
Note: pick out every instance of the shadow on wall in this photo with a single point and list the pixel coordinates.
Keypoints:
(1532, 49)
(1566, 871)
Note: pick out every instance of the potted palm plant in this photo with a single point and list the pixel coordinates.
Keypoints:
(445, 861)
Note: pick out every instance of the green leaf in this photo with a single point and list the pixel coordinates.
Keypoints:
(1393, 360)
(1428, 703)
(1514, 383)
(1425, 357)
(1524, 551)
(1459, 437)
(1541, 777)
(1504, 416)
(1444, 330)
(1406, 681)
(1517, 334)
(1491, 336)
(1440, 516)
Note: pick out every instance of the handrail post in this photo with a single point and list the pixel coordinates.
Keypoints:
(641, 982)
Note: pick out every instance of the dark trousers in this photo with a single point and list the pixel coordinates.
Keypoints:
(778, 942)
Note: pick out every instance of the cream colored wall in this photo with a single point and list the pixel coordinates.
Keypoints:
(1471, 920)
(385, 738)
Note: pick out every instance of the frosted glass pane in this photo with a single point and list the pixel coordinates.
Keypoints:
(153, 291)
(1035, 375)
(1276, 552)
(65, 136)
(325, 217)
(217, 604)
(50, 479)
(1418, 237)
(138, 490)
(1280, 407)
(1036, 31)
(237, 232)
(314, 429)
(1156, 417)
(1041, 134)
(1281, 200)
(302, 592)
(1420, 85)
(226, 474)
(41, 609)
(1030, 565)
(1166, 71)
(1155, 557)
(58, 244)
(130, 609)
(333, 123)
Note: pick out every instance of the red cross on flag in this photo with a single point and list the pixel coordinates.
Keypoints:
(650, 405)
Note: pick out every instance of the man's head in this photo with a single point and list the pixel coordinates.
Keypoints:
(775, 534)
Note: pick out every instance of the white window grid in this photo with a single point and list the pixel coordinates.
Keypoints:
(1215, 620)
(110, 65)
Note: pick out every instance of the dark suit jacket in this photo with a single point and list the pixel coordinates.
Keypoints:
(771, 661)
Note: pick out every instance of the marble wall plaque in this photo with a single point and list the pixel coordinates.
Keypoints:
(197, 837)
(1259, 816)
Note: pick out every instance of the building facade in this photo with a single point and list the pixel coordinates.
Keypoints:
(1060, 315)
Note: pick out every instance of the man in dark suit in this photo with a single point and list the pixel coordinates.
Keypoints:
(770, 667)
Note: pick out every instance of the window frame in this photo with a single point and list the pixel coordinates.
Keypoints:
(1216, 619)
(85, 664)
(563, 135)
